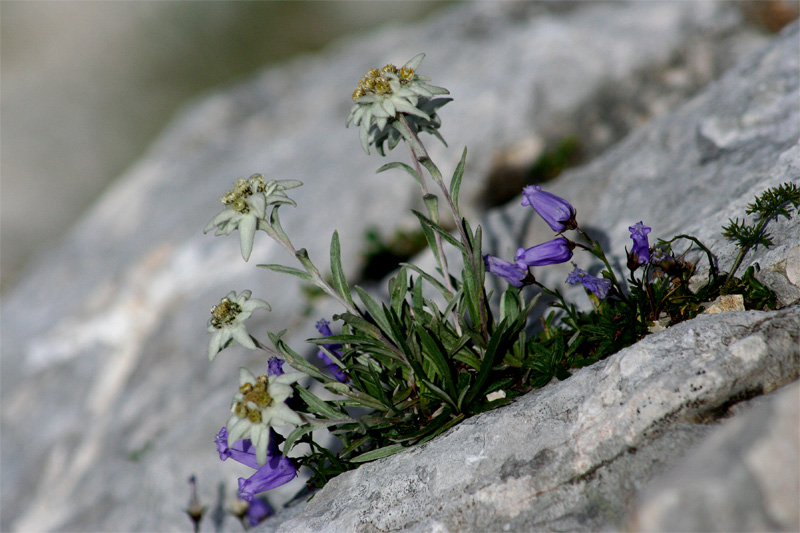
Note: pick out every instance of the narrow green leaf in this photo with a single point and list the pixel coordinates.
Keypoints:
(434, 352)
(455, 183)
(296, 434)
(339, 279)
(289, 270)
(299, 363)
(398, 287)
(320, 407)
(441, 394)
(380, 453)
(425, 221)
(432, 203)
(401, 166)
(353, 445)
(373, 308)
(364, 399)
(430, 279)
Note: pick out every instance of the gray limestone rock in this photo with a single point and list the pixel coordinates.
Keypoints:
(108, 402)
(744, 477)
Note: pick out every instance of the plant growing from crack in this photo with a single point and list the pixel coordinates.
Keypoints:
(407, 369)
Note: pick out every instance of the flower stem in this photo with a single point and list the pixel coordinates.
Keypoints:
(420, 156)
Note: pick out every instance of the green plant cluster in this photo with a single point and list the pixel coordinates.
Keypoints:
(407, 369)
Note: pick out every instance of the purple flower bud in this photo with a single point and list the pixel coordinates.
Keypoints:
(277, 471)
(553, 252)
(336, 349)
(258, 511)
(557, 212)
(640, 253)
(510, 272)
(275, 367)
(599, 286)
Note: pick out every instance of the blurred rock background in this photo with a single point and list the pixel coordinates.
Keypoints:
(86, 86)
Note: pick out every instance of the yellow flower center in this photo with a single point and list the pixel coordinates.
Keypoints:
(253, 394)
(224, 313)
(374, 82)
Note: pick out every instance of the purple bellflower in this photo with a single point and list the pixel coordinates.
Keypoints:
(258, 511)
(510, 272)
(336, 349)
(277, 471)
(557, 212)
(640, 254)
(553, 252)
(599, 286)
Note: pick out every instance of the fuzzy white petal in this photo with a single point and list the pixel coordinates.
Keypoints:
(415, 61)
(247, 232)
(245, 376)
(240, 335)
(281, 414)
(238, 431)
(260, 439)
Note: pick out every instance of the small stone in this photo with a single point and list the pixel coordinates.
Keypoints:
(725, 303)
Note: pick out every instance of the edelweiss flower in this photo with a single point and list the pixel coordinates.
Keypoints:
(382, 94)
(227, 321)
(246, 205)
(258, 405)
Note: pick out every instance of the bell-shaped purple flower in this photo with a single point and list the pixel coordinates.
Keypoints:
(553, 252)
(599, 286)
(640, 253)
(557, 212)
(510, 272)
(277, 471)
(258, 511)
(336, 349)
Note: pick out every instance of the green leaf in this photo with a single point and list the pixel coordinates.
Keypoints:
(426, 222)
(380, 453)
(455, 183)
(401, 166)
(289, 270)
(299, 363)
(315, 405)
(430, 279)
(398, 287)
(373, 308)
(339, 279)
(302, 256)
(434, 352)
(364, 399)
(296, 434)
(432, 203)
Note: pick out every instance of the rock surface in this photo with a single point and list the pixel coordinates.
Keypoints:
(743, 477)
(108, 402)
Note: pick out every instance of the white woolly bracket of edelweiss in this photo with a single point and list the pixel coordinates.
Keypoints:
(382, 94)
(246, 208)
(259, 405)
(227, 321)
